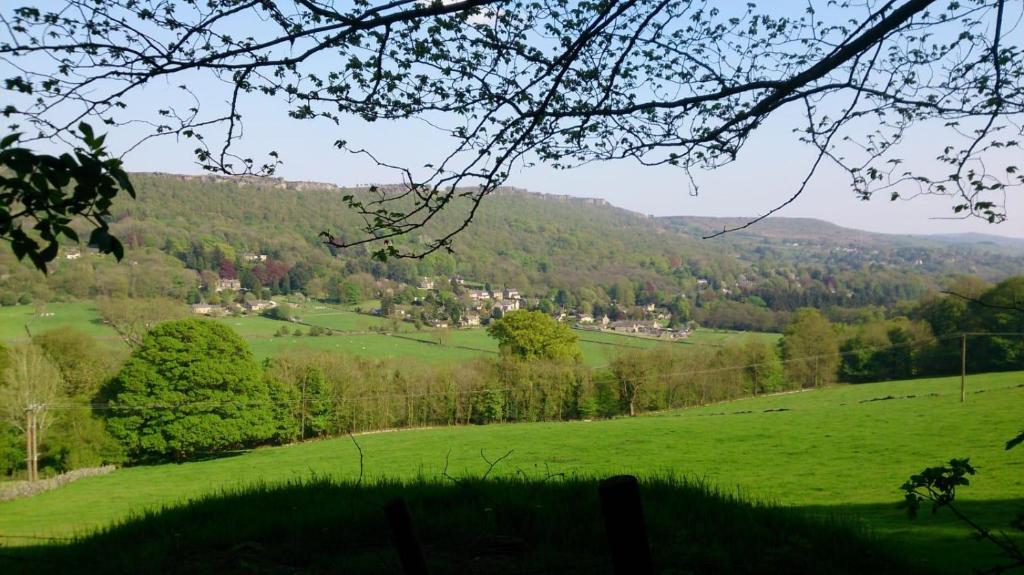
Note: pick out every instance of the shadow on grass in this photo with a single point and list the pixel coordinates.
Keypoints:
(495, 526)
(939, 541)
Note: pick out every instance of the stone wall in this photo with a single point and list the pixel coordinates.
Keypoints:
(18, 489)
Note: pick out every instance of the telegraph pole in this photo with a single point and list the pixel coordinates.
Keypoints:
(30, 443)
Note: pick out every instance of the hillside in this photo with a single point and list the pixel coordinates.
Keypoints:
(840, 451)
(183, 232)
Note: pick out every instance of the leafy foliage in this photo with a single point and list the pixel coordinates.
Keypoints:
(810, 347)
(48, 192)
(534, 335)
(191, 388)
(936, 485)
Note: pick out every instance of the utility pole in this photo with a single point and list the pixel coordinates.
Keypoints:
(31, 459)
(963, 367)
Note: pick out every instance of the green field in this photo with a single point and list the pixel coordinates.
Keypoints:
(843, 450)
(79, 315)
(353, 334)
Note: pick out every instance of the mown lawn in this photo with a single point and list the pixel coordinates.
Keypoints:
(843, 450)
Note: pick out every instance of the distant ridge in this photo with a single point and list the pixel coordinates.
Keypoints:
(774, 228)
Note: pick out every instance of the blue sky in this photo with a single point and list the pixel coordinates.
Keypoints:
(768, 171)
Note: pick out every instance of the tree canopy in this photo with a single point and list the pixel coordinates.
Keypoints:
(192, 387)
(534, 335)
(513, 83)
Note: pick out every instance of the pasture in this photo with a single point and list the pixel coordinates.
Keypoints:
(79, 315)
(354, 333)
(841, 451)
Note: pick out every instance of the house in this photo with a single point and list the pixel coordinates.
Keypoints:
(227, 284)
(259, 305)
(251, 257)
(470, 320)
(702, 283)
(507, 305)
(426, 283)
(459, 280)
(203, 308)
(650, 307)
(625, 326)
(510, 293)
(586, 318)
(439, 323)
(73, 254)
(479, 295)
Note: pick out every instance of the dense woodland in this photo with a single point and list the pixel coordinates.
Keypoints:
(184, 233)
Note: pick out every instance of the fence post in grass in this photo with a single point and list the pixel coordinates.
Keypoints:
(624, 523)
(404, 537)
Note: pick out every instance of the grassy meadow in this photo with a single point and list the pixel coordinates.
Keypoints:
(354, 333)
(841, 451)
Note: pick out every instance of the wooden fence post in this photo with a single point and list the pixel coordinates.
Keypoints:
(624, 523)
(404, 537)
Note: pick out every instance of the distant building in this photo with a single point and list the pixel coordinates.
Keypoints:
(438, 323)
(470, 320)
(479, 295)
(510, 293)
(252, 257)
(259, 305)
(507, 305)
(228, 284)
(203, 308)
(426, 283)
(586, 318)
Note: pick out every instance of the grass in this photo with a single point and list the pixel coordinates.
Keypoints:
(79, 315)
(353, 334)
(510, 525)
(843, 450)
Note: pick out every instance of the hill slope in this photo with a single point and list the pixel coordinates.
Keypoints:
(840, 450)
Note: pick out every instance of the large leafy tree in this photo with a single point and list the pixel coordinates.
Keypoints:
(191, 388)
(534, 335)
(810, 348)
(514, 82)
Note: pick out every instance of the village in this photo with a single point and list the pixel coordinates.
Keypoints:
(446, 303)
